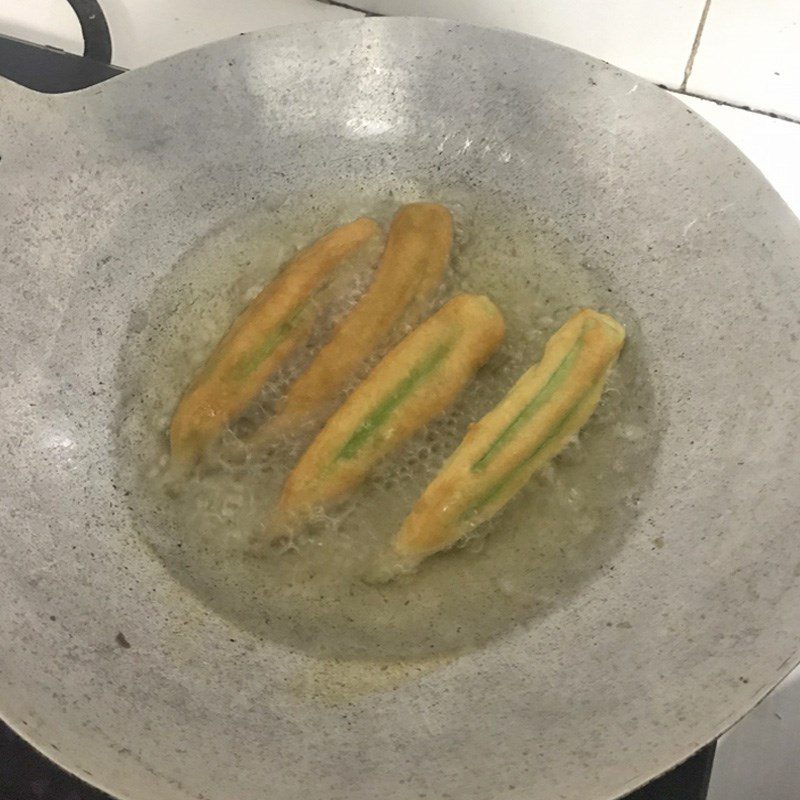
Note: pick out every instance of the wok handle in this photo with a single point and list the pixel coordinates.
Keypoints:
(94, 29)
(43, 69)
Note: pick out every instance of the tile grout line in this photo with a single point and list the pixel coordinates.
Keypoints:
(687, 72)
(730, 104)
(677, 90)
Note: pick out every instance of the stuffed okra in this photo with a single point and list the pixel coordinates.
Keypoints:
(276, 322)
(414, 382)
(534, 421)
(411, 267)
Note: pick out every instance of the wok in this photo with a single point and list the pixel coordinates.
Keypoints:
(119, 674)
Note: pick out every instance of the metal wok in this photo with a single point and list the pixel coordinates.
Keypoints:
(104, 189)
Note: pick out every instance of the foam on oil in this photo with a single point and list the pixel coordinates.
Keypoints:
(310, 596)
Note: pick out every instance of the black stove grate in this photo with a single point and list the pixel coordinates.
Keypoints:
(25, 774)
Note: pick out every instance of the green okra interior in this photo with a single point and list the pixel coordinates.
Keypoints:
(495, 490)
(403, 389)
(249, 362)
(554, 382)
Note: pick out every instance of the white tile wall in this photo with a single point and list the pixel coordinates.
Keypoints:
(652, 38)
(147, 30)
(749, 54)
(48, 22)
(773, 145)
(759, 758)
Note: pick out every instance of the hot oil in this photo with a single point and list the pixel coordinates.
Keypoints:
(310, 596)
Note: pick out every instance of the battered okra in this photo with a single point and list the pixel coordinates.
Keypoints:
(414, 382)
(411, 267)
(534, 421)
(260, 339)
